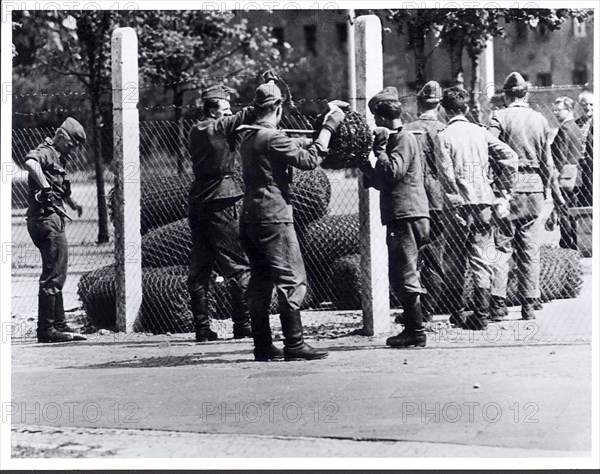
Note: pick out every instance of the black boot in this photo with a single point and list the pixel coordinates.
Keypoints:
(46, 332)
(264, 349)
(240, 313)
(538, 306)
(294, 346)
(528, 308)
(498, 309)
(201, 321)
(478, 320)
(60, 322)
(413, 334)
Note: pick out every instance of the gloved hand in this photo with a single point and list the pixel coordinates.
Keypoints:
(380, 138)
(269, 75)
(79, 209)
(44, 195)
(333, 118)
(339, 103)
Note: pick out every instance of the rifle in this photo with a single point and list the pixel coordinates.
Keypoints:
(51, 205)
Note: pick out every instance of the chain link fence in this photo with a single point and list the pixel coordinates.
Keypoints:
(327, 222)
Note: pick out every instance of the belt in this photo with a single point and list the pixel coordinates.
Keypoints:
(209, 177)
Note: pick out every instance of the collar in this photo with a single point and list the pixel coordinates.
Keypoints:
(519, 104)
(264, 123)
(458, 118)
(429, 115)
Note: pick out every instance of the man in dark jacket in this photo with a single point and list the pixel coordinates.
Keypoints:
(567, 149)
(267, 225)
(49, 189)
(586, 123)
(404, 207)
(526, 132)
(212, 212)
(427, 127)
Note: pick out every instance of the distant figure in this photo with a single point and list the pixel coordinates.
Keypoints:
(567, 154)
(586, 123)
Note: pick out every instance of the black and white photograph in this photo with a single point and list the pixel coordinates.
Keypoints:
(299, 235)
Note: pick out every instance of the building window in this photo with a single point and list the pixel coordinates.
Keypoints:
(580, 74)
(310, 38)
(342, 33)
(544, 79)
(279, 35)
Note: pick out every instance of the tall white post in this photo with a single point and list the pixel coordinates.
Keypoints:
(126, 137)
(373, 248)
(351, 60)
(488, 83)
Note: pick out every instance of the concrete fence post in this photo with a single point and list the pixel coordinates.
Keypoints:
(373, 248)
(126, 139)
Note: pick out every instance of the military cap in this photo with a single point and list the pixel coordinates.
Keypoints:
(430, 93)
(515, 83)
(74, 130)
(267, 94)
(217, 92)
(387, 93)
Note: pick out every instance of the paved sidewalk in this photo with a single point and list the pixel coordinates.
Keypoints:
(519, 389)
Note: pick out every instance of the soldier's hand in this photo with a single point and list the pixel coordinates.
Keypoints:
(501, 208)
(339, 103)
(44, 195)
(380, 139)
(333, 118)
(79, 210)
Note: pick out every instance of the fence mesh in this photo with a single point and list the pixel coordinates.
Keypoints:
(326, 215)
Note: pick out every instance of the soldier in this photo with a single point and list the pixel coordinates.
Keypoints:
(49, 189)
(404, 209)
(212, 212)
(432, 273)
(567, 154)
(586, 123)
(267, 226)
(526, 132)
(466, 154)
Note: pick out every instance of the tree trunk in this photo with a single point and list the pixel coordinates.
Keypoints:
(456, 46)
(475, 84)
(103, 235)
(180, 138)
(420, 60)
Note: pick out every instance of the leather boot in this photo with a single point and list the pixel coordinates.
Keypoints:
(240, 313)
(60, 321)
(46, 332)
(498, 309)
(294, 346)
(201, 321)
(478, 320)
(528, 308)
(264, 349)
(413, 333)
(538, 306)
(456, 306)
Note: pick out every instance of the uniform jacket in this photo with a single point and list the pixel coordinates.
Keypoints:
(267, 157)
(429, 123)
(526, 132)
(399, 176)
(212, 149)
(468, 157)
(51, 162)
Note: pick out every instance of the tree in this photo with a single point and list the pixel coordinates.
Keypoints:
(179, 50)
(417, 25)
